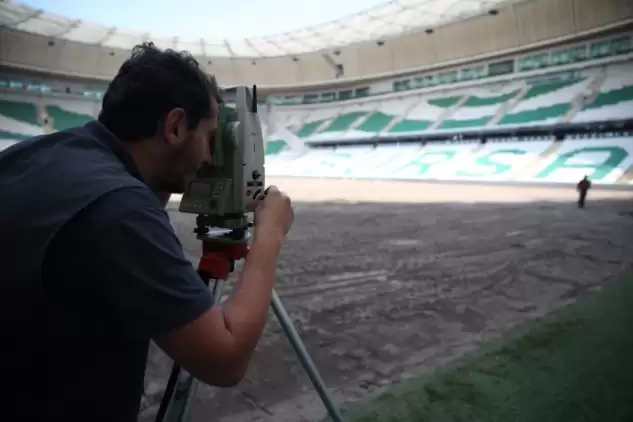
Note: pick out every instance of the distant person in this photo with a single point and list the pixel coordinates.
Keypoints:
(91, 269)
(583, 186)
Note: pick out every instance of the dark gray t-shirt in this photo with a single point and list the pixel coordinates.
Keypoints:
(113, 277)
(119, 271)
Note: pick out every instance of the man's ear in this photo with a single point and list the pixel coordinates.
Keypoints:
(175, 126)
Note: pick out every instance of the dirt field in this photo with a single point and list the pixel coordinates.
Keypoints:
(388, 290)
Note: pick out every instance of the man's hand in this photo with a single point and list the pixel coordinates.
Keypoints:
(274, 213)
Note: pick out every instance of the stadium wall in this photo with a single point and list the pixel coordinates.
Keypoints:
(526, 24)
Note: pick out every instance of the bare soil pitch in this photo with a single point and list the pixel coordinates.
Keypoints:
(384, 291)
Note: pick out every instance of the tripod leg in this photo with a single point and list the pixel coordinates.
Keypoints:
(304, 357)
(168, 395)
(218, 291)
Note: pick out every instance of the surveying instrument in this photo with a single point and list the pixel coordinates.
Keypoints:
(222, 195)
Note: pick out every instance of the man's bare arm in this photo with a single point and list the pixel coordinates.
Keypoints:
(217, 347)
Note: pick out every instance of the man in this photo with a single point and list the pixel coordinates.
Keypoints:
(583, 186)
(91, 268)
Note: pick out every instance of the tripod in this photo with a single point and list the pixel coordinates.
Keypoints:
(219, 253)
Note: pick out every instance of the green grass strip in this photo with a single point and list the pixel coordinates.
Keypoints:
(575, 365)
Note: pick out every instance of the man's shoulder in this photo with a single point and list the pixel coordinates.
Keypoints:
(123, 203)
(49, 140)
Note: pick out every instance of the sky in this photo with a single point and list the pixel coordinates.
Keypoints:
(215, 19)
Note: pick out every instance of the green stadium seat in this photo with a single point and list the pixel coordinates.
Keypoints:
(376, 122)
(465, 124)
(475, 101)
(476, 111)
(308, 129)
(546, 88)
(419, 114)
(343, 122)
(20, 111)
(275, 146)
(545, 102)
(612, 97)
(445, 102)
(406, 125)
(539, 114)
(64, 119)
(13, 136)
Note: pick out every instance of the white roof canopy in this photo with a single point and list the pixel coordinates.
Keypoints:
(388, 20)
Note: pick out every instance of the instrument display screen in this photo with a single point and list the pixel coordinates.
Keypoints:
(200, 190)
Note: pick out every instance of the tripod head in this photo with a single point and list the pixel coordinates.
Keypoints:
(225, 191)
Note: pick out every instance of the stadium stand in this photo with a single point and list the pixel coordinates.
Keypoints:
(543, 103)
(18, 119)
(419, 115)
(594, 94)
(468, 99)
(23, 116)
(614, 98)
(64, 119)
(606, 161)
(479, 107)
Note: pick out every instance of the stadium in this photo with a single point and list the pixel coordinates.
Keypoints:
(439, 268)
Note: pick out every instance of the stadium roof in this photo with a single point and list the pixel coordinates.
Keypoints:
(382, 22)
